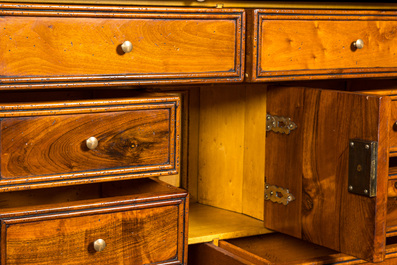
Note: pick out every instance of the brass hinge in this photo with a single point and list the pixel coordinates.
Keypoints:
(363, 159)
(279, 124)
(278, 194)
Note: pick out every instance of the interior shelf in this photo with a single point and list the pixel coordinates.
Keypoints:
(207, 223)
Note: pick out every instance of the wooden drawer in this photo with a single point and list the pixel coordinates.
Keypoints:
(275, 249)
(138, 222)
(335, 166)
(82, 45)
(48, 143)
(320, 44)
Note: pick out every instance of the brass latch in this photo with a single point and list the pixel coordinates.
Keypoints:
(279, 124)
(278, 194)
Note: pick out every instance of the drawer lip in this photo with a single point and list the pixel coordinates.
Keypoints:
(259, 74)
(98, 106)
(235, 74)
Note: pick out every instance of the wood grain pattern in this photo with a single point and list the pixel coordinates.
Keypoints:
(56, 144)
(69, 228)
(231, 148)
(279, 249)
(45, 142)
(210, 254)
(330, 215)
(309, 44)
(81, 45)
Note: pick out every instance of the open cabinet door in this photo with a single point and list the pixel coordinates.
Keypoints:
(307, 169)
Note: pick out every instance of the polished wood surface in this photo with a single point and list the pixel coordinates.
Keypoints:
(138, 228)
(81, 45)
(312, 162)
(279, 249)
(46, 142)
(57, 144)
(308, 44)
(211, 255)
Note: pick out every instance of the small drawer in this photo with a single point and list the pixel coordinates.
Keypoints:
(108, 46)
(138, 228)
(275, 249)
(322, 44)
(87, 141)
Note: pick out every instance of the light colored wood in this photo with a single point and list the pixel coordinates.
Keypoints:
(207, 223)
(232, 134)
(221, 147)
(254, 152)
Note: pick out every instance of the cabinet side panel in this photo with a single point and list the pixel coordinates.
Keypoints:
(283, 166)
(221, 147)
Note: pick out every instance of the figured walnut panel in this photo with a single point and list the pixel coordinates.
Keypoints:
(137, 229)
(45, 143)
(83, 45)
(312, 162)
(302, 44)
(56, 144)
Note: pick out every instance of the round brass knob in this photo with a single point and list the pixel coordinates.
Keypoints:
(359, 44)
(91, 143)
(99, 245)
(126, 46)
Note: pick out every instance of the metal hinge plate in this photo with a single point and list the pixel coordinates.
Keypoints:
(363, 157)
(278, 194)
(279, 124)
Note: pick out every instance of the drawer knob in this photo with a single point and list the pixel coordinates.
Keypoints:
(126, 46)
(92, 143)
(359, 44)
(99, 245)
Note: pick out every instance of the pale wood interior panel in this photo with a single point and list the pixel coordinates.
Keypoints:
(231, 148)
(207, 223)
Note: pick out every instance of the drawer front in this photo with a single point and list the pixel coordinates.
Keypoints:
(85, 44)
(275, 249)
(301, 44)
(132, 234)
(131, 138)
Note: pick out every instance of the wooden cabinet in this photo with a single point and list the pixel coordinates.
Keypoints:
(97, 100)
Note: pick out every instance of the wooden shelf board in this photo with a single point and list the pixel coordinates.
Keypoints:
(207, 223)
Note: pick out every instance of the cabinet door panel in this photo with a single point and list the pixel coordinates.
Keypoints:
(313, 163)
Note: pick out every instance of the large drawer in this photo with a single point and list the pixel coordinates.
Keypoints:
(61, 143)
(133, 222)
(322, 44)
(91, 46)
(275, 249)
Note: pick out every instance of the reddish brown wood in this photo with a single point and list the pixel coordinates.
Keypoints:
(81, 45)
(42, 143)
(210, 254)
(317, 44)
(313, 161)
(138, 228)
